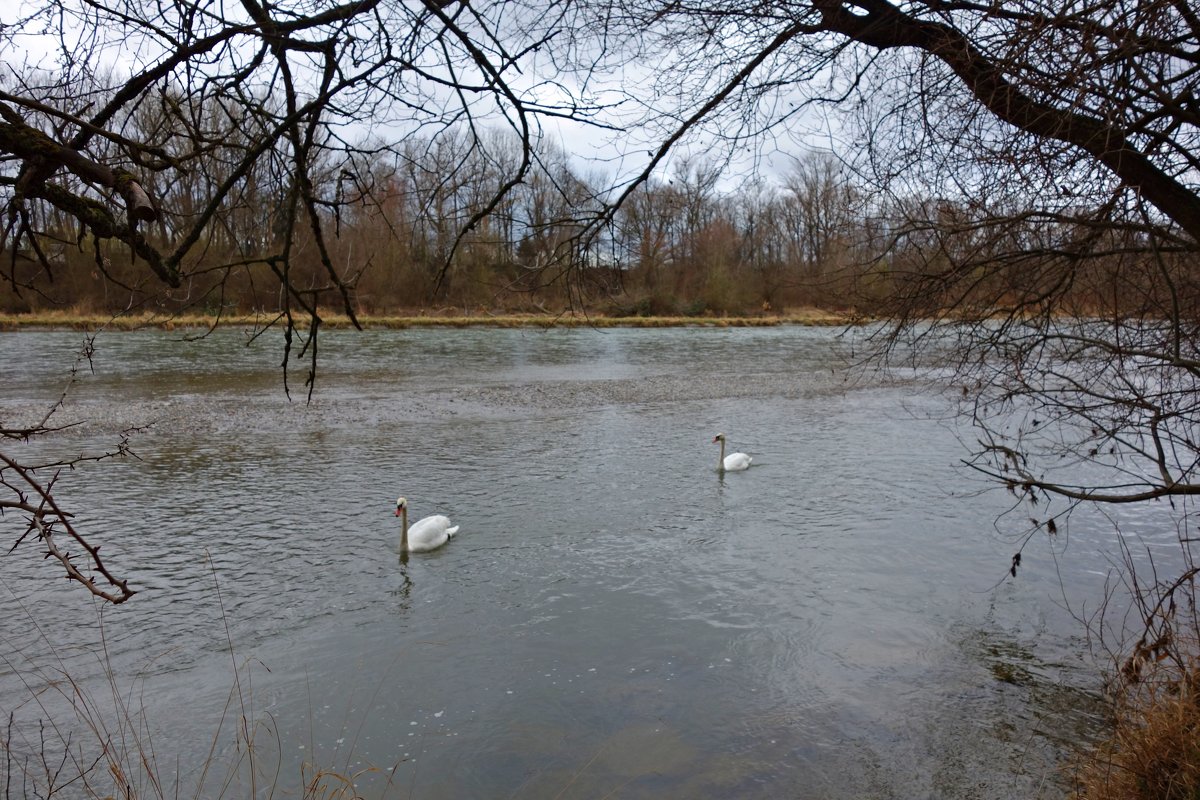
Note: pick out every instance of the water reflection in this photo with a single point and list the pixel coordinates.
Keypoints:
(403, 592)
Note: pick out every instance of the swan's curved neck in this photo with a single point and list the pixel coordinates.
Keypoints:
(721, 458)
(404, 529)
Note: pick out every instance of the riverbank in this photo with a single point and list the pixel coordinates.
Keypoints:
(75, 320)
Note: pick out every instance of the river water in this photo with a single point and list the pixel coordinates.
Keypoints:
(615, 617)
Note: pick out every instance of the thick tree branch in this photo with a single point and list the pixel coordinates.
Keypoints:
(32, 145)
(884, 26)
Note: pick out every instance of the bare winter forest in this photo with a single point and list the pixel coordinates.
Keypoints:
(821, 234)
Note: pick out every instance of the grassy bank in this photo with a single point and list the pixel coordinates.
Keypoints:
(76, 320)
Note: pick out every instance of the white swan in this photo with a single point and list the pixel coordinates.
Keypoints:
(732, 462)
(426, 534)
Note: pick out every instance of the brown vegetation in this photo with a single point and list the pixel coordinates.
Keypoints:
(1154, 750)
(679, 247)
(444, 318)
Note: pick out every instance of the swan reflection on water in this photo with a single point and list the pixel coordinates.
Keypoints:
(403, 592)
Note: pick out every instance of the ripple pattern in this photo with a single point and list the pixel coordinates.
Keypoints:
(614, 615)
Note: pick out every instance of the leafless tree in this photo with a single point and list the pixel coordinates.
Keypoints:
(825, 221)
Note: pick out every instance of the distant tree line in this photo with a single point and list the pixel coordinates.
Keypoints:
(416, 225)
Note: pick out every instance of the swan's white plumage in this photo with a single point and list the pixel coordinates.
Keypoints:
(428, 533)
(737, 461)
(734, 462)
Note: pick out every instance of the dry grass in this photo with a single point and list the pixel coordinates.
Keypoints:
(1153, 752)
(79, 320)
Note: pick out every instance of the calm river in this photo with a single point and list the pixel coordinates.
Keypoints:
(614, 619)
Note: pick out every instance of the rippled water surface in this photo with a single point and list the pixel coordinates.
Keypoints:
(615, 618)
